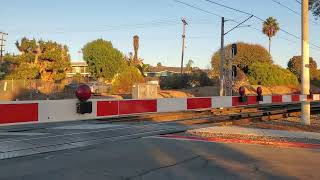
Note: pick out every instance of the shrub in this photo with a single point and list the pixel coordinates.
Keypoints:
(178, 81)
(175, 81)
(269, 74)
(294, 65)
(123, 82)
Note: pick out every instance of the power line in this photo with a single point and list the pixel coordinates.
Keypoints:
(290, 9)
(151, 24)
(256, 29)
(228, 7)
(244, 12)
(195, 7)
(2, 40)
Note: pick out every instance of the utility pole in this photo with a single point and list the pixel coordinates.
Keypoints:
(2, 40)
(183, 41)
(305, 82)
(221, 90)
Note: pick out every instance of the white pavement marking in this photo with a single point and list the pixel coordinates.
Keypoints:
(256, 132)
(21, 134)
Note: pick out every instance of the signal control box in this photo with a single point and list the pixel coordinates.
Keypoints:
(84, 107)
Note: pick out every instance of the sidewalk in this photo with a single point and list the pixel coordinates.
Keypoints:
(234, 130)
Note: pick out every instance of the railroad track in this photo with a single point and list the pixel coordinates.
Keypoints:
(228, 115)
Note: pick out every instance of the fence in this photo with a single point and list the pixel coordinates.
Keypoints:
(41, 90)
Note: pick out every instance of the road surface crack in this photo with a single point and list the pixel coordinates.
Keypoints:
(163, 167)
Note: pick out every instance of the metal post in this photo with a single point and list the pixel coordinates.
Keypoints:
(305, 80)
(222, 59)
(183, 42)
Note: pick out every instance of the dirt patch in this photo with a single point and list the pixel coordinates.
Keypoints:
(288, 124)
(174, 94)
(214, 91)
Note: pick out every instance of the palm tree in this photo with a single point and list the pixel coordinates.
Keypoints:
(270, 28)
(136, 47)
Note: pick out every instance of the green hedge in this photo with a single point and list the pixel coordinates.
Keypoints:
(178, 81)
(269, 74)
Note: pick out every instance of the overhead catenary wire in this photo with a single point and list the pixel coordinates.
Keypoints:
(299, 2)
(292, 10)
(251, 27)
(288, 8)
(257, 17)
(105, 28)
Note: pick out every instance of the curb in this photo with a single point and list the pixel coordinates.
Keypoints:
(246, 141)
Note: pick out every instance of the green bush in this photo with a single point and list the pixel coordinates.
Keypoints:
(175, 81)
(178, 81)
(269, 75)
(294, 65)
(123, 82)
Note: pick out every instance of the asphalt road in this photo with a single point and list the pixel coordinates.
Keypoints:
(164, 159)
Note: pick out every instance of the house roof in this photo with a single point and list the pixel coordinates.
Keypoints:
(78, 63)
(165, 68)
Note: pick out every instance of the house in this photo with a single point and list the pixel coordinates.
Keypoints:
(79, 67)
(164, 71)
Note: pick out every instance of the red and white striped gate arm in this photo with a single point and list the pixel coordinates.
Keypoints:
(65, 110)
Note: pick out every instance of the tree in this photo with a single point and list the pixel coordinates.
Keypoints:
(104, 61)
(159, 64)
(53, 60)
(9, 64)
(270, 75)
(247, 55)
(189, 65)
(47, 60)
(270, 28)
(314, 6)
(24, 71)
(294, 65)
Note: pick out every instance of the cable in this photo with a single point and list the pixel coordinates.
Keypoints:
(234, 9)
(295, 12)
(151, 24)
(288, 8)
(195, 7)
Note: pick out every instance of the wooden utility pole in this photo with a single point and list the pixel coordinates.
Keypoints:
(2, 40)
(183, 41)
(305, 66)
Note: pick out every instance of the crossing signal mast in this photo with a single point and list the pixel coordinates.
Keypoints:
(226, 73)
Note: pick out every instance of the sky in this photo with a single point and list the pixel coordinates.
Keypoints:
(158, 24)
